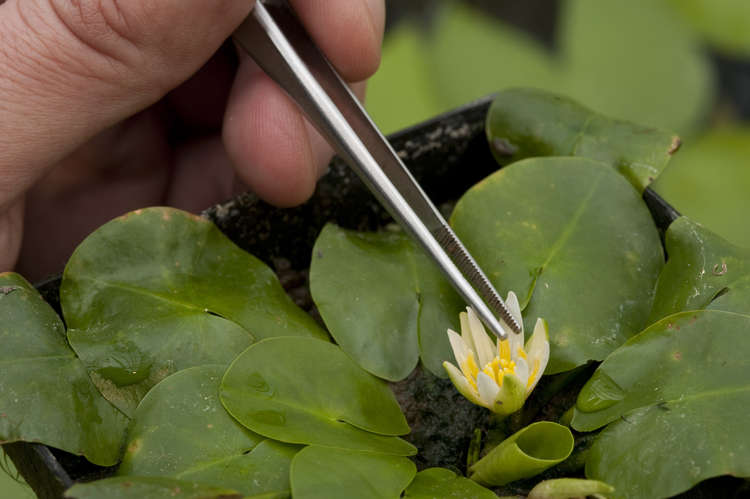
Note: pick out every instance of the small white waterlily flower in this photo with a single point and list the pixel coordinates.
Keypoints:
(497, 376)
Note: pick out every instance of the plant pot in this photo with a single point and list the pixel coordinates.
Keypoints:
(447, 155)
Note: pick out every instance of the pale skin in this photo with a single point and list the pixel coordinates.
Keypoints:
(111, 105)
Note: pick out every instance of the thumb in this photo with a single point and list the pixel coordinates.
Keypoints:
(70, 68)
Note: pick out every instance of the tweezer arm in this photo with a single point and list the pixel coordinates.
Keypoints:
(280, 46)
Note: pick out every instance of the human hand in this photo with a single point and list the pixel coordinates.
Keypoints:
(108, 106)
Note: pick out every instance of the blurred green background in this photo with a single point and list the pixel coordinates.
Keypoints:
(12, 485)
(682, 65)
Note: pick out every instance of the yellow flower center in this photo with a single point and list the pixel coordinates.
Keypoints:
(498, 367)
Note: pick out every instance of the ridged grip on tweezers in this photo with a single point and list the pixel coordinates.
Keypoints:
(463, 260)
(280, 46)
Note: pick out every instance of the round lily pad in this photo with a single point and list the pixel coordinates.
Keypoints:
(383, 300)
(307, 391)
(575, 242)
(527, 122)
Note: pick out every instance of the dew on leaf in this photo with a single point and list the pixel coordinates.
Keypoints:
(270, 417)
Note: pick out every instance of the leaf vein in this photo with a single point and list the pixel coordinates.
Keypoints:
(565, 234)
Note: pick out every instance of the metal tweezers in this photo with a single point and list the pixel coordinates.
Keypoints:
(279, 44)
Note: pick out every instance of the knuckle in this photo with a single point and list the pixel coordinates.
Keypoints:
(100, 26)
(78, 39)
(68, 48)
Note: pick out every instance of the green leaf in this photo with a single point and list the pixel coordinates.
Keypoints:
(525, 122)
(708, 181)
(400, 93)
(635, 61)
(136, 487)
(180, 430)
(703, 271)
(524, 454)
(569, 488)
(45, 394)
(722, 23)
(575, 242)
(364, 286)
(675, 398)
(383, 300)
(442, 483)
(472, 54)
(325, 473)
(307, 391)
(159, 290)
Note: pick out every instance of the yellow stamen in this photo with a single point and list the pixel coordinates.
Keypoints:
(533, 374)
(489, 372)
(503, 349)
(469, 367)
(470, 370)
(522, 353)
(495, 366)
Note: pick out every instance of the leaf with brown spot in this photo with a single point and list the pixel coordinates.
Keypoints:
(673, 403)
(526, 122)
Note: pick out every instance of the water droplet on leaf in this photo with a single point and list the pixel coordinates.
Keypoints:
(257, 383)
(124, 376)
(274, 418)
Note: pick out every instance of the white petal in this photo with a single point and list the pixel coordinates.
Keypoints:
(537, 349)
(522, 370)
(461, 383)
(460, 349)
(483, 346)
(515, 341)
(538, 345)
(488, 390)
(465, 358)
(463, 317)
(515, 308)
